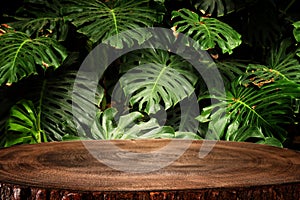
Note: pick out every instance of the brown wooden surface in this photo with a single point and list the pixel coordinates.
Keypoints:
(66, 170)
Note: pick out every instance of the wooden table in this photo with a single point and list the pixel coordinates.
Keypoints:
(67, 170)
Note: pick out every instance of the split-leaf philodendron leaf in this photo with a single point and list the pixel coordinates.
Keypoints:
(208, 32)
(20, 56)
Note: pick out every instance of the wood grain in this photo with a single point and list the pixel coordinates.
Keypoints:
(67, 170)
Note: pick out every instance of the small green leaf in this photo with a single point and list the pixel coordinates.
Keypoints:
(231, 130)
(271, 141)
(23, 125)
(296, 31)
(159, 1)
(187, 135)
(298, 53)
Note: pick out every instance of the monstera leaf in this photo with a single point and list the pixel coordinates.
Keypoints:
(281, 65)
(23, 125)
(157, 76)
(20, 56)
(56, 108)
(258, 104)
(64, 107)
(41, 18)
(208, 32)
(99, 20)
(265, 110)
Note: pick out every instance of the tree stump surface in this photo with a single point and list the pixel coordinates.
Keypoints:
(68, 170)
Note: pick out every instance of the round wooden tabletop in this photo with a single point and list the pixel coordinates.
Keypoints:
(78, 170)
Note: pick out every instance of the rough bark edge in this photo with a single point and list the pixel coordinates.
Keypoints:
(274, 192)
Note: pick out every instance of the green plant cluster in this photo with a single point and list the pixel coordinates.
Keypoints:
(254, 44)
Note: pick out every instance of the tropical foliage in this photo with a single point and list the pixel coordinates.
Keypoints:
(253, 43)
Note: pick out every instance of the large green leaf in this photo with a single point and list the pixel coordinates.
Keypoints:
(263, 104)
(157, 76)
(281, 65)
(208, 32)
(41, 18)
(267, 107)
(8, 98)
(23, 125)
(20, 56)
(263, 110)
(64, 107)
(99, 20)
(58, 110)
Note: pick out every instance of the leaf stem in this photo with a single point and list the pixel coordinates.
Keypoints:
(115, 21)
(288, 7)
(158, 78)
(18, 51)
